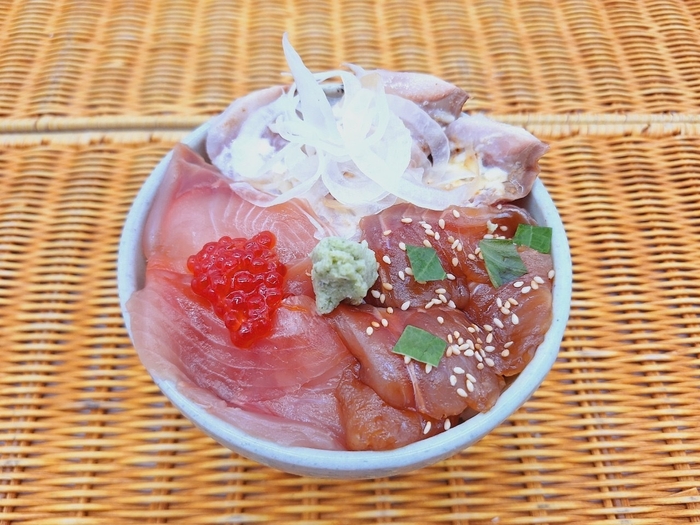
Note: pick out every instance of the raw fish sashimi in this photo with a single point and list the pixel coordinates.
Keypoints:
(454, 233)
(303, 358)
(195, 205)
(408, 386)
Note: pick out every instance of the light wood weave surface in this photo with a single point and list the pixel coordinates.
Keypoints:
(94, 93)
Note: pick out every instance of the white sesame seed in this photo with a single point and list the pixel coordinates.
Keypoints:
(534, 285)
(407, 220)
(437, 236)
(440, 319)
(477, 250)
(427, 427)
(471, 329)
(471, 257)
(375, 324)
(508, 344)
(408, 270)
(441, 223)
(451, 304)
(448, 352)
(470, 386)
(488, 327)
(402, 246)
(498, 322)
(440, 290)
(469, 353)
(450, 239)
(425, 225)
(389, 310)
(382, 298)
(443, 298)
(518, 284)
(489, 337)
(503, 228)
(427, 244)
(429, 305)
(525, 289)
(456, 333)
(499, 302)
(550, 274)
(505, 353)
(428, 368)
(514, 318)
(480, 366)
(471, 378)
(453, 380)
(478, 357)
(458, 370)
(450, 339)
(455, 243)
(430, 233)
(489, 362)
(512, 301)
(455, 213)
(387, 286)
(460, 247)
(387, 232)
(461, 392)
(402, 275)
(386, 259)
(448, 424)
(375, 294)
(460, 340)
(455, 261)
(538, 279)
(385, 323)
(490, 348)
(369, 330)
(499, 207)
(504, 310)
(488, 236)
(407, 359)
(481, 256)
(450, 277)
(405, 305)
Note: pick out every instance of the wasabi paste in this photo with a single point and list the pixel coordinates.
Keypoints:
(342, 269)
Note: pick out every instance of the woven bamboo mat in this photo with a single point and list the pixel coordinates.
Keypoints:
(93, 93)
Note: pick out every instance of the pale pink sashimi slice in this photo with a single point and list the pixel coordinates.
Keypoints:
(410, 386)
(179, 338)
(195, 205)
(513, 150)
(440, 99)
(227, 126)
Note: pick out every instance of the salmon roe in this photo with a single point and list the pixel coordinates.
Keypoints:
(242, 279)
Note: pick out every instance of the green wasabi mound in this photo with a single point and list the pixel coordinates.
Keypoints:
(342, 269)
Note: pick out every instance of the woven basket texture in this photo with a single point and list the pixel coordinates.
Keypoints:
(94, 93)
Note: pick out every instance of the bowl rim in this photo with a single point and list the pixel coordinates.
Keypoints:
(355, 464)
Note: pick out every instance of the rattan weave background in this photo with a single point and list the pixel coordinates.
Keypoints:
(187, 57)
(94, 93)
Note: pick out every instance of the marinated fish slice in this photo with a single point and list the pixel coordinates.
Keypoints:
(410, 386)
(516, 316)
(453, 233)
(371, 424)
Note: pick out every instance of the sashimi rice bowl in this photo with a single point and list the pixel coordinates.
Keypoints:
(347, 276)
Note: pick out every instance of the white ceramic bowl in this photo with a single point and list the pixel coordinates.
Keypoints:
(356, 465)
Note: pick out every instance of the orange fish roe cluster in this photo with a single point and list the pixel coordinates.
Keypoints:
(242, 279)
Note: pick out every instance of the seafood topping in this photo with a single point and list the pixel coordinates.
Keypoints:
(242, 279)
